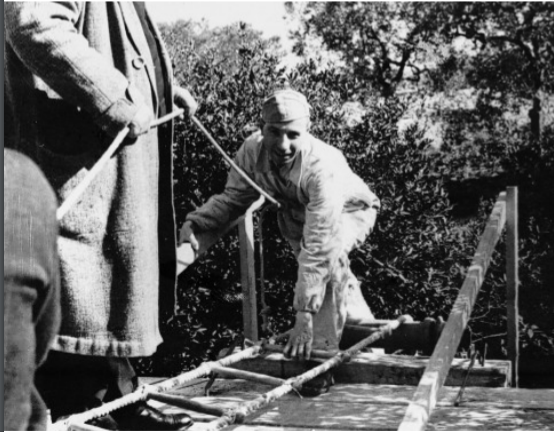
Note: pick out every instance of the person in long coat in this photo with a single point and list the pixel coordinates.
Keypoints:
(76, 73)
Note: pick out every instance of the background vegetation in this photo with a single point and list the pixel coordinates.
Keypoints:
(437, 106)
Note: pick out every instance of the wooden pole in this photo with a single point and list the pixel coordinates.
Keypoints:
(76, 193)
(230, 373)
(248, 277)
(512, 276)
(183, 402)
(425, 397)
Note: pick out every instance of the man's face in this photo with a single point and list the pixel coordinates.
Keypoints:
(283, 141)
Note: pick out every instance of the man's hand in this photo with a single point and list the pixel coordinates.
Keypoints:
(301, 337)
(187, 235)
(183, 99)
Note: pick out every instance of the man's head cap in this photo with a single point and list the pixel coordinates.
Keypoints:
(284, 106)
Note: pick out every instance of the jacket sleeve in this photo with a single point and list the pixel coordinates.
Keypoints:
(45, 38)
(237, 197)
(320, 246)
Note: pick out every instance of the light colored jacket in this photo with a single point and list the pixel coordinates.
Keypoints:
(315, 188)
(76, 73)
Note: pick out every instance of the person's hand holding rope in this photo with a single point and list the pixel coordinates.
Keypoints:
(183, 99)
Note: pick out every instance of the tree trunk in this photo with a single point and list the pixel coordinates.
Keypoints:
(535, 116)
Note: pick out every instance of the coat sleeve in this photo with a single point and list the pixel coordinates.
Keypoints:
(237, 197)
(45, 38)
(320, 246)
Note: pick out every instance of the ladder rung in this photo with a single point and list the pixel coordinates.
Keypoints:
(321, 354)
(182, 402)
(225, 372)
(84, 427)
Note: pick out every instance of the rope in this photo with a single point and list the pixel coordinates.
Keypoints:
(238, 414)
(232, 163)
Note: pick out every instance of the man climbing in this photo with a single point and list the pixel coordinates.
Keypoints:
(326, 211)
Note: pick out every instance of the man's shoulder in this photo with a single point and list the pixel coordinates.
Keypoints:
(252, 143)
(250, 149)
(325, 153)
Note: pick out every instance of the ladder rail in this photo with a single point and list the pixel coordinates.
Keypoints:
(424, 400)
(247, 408)
(142, 393)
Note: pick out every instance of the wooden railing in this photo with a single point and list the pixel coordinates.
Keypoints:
(186, 256)
(425, 397)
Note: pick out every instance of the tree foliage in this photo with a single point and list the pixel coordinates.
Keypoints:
(435, 200)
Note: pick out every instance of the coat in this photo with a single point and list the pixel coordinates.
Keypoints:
(75, 74)
(316, 189)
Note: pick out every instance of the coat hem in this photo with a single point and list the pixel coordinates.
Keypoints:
(108, 348)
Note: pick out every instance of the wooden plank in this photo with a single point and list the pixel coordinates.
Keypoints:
(380, 407)
(411, 336)
(464, 419)
(384, 369)
(364, 417)
(512, 278)
(349, 415)
(225, 372)
(418, 412)
(507, 398)
(248, 277)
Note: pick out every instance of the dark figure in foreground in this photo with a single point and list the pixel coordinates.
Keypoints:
(31, 288)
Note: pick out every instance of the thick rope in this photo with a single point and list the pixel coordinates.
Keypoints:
(232, 163)
(238, 414)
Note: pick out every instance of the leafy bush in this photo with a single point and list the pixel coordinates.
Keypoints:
(416, 259)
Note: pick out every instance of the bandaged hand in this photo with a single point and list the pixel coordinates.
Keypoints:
(372, 219)
(300, 337)
(183, 99)
(186, 235)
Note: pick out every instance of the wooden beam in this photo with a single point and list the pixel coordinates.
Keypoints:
(235, 391)
(248, 277)
(512, 277)
(380, 369)
(410, 336)
(425, 398)
(225, 372)
(380, 407)
(186, 403)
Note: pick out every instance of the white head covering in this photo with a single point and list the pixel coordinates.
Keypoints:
(283, 106)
